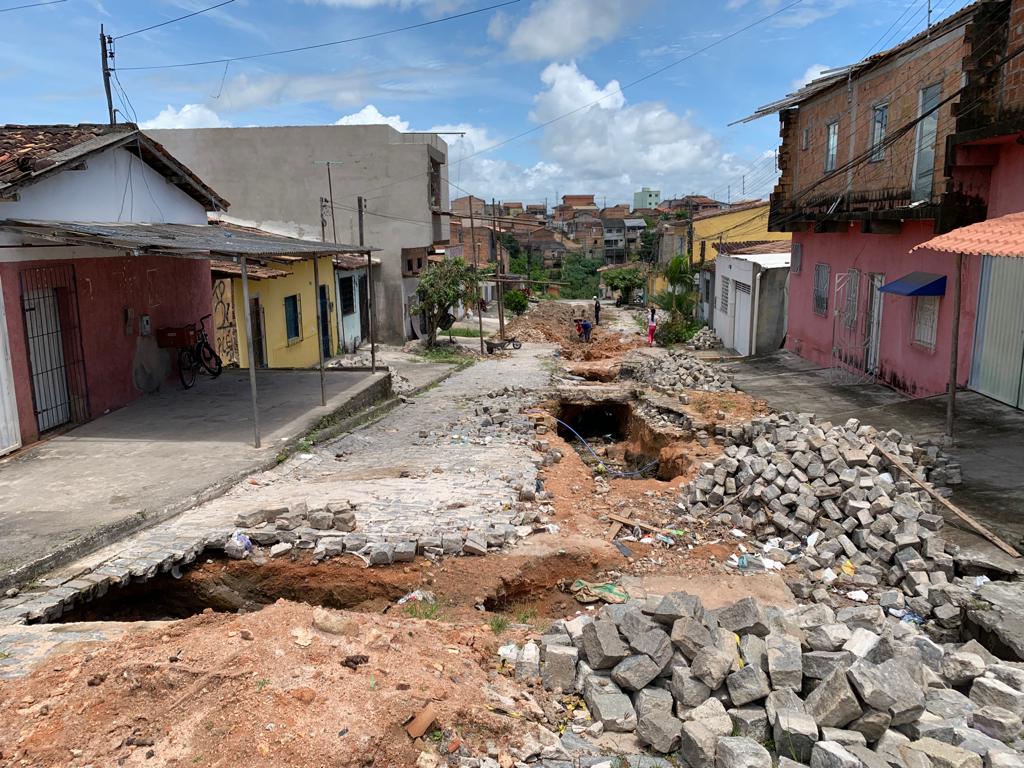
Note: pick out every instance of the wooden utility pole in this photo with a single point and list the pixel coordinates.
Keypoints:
(105, 62)
(369, 289)
(501, 274)
(954, 348)
(476, 266)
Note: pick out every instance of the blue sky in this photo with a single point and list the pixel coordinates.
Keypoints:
(492, 75)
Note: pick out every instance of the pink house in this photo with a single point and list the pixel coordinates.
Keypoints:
(879, 157)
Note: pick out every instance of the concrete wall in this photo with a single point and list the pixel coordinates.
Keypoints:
(280, 352)
(270, 177)
(115, 186)
(1007, 186)
(772, 306)
(904, 365)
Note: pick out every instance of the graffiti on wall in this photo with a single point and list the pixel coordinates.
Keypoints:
(224, 329)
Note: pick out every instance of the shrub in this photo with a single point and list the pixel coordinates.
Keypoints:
(516, 302)
(675, 331)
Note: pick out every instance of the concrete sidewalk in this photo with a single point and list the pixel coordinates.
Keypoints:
(156, 457)
(989, 435)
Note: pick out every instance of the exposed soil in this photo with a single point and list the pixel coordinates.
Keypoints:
(737, 407)
(198, 693)
(552, 322)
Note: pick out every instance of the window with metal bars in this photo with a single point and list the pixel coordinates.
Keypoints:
(347, 295)
(926, 320)
(821, 276)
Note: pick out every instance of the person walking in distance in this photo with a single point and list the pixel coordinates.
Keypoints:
(652, 326)
(597, 311)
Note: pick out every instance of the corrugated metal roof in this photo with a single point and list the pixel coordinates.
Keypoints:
(180, 239)
(1002, 236)
(830, 77)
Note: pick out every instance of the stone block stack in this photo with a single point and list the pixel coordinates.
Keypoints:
(824, 499)
(677, 372)
(705, 338)
(752, 686)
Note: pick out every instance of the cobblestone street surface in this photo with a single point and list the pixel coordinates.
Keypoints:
(443, 474)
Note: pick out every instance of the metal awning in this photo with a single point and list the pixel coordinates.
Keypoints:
(917, 284)
(183, 240)
(224, 245)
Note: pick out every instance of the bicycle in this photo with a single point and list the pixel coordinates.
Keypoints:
(199, 354)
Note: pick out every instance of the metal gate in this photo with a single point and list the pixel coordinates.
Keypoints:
(10, 432)
(850, 332)
(997, 369)
(49, 305)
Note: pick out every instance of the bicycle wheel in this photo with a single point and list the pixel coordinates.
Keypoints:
(517, 345)
(187, 367)
(210, 360)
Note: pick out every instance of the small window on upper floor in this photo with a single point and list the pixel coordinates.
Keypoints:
(831, 145)
(805, 141)
(435, 184)
(879, 125)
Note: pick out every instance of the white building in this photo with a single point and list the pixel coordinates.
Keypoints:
(752, 286)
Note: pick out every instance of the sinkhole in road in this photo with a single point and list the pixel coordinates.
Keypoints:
(618, 441)
(514, 583)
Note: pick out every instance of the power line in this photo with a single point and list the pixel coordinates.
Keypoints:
(31, 5)
(370, 36)
(615, 92)
(172, 21)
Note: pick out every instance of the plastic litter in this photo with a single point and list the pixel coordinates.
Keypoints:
(980, 580)
(418, 596)
(241, 540)
(589, 592)
(906, 615)
(738, 533)
(668, 541)
(849, 568)
(858, 596)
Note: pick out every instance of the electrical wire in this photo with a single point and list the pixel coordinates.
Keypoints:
(316, 46)
(31, 5)
(618, 91)
(172, 21)
(610, 472)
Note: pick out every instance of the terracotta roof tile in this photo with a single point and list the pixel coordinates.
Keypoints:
(28, 149)
(1002, 236)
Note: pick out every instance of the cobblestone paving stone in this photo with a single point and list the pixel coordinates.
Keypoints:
(456, 461)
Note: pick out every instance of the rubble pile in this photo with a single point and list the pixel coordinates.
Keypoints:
(752, 686)
(676, 372)
(823, 498)
(705, 338)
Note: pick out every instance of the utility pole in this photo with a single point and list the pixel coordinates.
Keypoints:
(929, 27)
(321, 321)
(476, 266)
(501, 275)
(330, 194)
(369, 288)
(105, 57)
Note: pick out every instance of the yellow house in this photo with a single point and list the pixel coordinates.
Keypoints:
(744, 223)
(283, 306)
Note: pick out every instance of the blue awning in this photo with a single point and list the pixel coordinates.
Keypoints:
(917, 284)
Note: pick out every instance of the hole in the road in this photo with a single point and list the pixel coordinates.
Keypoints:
(612, 439)
(230, 586)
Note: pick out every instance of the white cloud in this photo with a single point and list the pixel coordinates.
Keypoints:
(432, 6)
(805, 14)
(498, 26)
(560, 29)
(813, 72)
(189, 116)
(370, 115)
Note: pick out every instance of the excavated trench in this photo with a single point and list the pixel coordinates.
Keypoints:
(242, 586)
(620, 439)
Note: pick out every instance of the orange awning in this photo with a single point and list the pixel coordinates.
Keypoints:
(1002, 236)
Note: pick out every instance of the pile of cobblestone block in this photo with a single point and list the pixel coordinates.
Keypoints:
(331, 531)
(677, 372)
(705, 338)
(825, 499)
(756, 686)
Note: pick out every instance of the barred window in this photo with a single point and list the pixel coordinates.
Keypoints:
(926, 320)
(821, 276)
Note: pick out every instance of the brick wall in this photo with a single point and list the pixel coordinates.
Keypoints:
(898, 83)
(1012, 96)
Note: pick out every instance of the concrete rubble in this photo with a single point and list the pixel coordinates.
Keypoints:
(705, 338)
(751, 685)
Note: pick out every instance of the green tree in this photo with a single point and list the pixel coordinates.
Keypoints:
(442, 287)
(580, 276)
(516, 302)
(625, 280)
